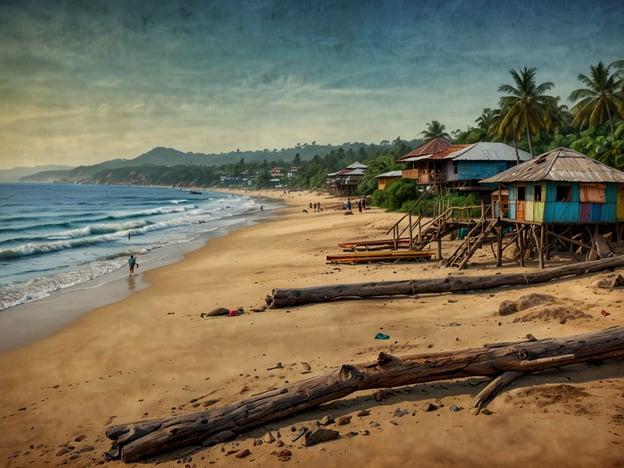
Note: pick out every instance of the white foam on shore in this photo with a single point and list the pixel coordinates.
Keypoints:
(26, 323)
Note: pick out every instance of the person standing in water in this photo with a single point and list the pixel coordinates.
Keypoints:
(132, 263)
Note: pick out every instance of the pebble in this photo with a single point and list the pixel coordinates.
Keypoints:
(342, 420)
(429, 407)
(242, 453)
(399, 412)
(325, 420)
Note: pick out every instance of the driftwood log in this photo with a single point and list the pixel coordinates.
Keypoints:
(296, 296)
(137, 440)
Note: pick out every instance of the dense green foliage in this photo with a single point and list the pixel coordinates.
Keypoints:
(396, 194)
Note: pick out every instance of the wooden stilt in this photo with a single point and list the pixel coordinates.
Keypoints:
(499, 249)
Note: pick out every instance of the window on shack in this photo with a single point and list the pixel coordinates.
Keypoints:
(593, 193)
(564, 193)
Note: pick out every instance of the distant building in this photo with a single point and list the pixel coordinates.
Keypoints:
(292, 172)
(277, 172)
(344, 182)
(440, 165)
(385, 179)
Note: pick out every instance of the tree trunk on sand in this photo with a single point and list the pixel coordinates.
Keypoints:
(142, 439)
(297, 296)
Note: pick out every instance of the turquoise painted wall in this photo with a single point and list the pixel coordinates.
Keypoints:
(551, 210)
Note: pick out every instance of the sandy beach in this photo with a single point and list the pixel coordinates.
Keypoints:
(156, 354)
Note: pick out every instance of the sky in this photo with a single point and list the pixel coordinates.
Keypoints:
(84, 81)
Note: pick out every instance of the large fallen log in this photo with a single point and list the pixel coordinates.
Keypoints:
(285, 297)
(137, 440)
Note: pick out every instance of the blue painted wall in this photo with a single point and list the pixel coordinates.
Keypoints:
(552, 210)
(475, 170)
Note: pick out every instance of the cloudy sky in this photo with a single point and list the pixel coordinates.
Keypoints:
(91, 80)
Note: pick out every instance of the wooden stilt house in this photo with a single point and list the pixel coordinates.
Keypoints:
(439, 165)
(564, 196)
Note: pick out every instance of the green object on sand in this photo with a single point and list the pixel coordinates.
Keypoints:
(381, 336)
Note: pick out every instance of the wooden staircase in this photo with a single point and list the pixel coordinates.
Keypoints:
(481, 232)
(422, 232)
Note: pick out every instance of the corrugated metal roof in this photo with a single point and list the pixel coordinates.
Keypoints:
(391, 174)
(357, 165)
(352, 172)
(450, 150)
(429, 148)
(560, 165)
(489, 151)
(416, 158)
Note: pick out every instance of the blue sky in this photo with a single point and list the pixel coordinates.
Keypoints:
(86, 81)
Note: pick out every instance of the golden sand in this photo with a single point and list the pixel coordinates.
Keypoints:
(154, 355)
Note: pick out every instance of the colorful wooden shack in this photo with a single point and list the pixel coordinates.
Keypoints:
(564, 200)
(563, 186)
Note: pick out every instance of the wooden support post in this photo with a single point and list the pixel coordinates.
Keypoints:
(521, 240)
(499, 248)
(411, 231)
(547, 240)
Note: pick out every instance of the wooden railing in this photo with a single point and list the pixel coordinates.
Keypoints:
(415, 227)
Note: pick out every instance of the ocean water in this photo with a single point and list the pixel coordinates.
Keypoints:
(54, 236)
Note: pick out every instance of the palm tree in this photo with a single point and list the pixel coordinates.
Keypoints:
(435, 130)
(488, 122)
(526, 108)
(602, 98)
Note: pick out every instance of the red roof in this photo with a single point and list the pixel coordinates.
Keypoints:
(451, 149)
(431, 147)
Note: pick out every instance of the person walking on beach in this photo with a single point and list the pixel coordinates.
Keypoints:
(132, 263)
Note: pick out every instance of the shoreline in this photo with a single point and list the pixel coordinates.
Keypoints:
(155, 354)
(24, 324)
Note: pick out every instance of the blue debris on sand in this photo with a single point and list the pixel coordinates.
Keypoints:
(381, 336)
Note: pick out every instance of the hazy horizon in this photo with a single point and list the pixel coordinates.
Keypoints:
(88, 81)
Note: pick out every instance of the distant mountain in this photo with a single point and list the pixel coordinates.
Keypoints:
(17, 173)
(170, 157)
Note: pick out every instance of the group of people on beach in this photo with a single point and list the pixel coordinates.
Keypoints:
(316, 206)
(361, 203)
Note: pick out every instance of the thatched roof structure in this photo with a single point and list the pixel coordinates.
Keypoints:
(560, 165)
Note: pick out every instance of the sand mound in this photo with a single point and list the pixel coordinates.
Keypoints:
(558, 312)
(611, 281)
(541, 307)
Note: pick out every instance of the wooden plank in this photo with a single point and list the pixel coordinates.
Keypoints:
(374, 244)
(377, 256)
